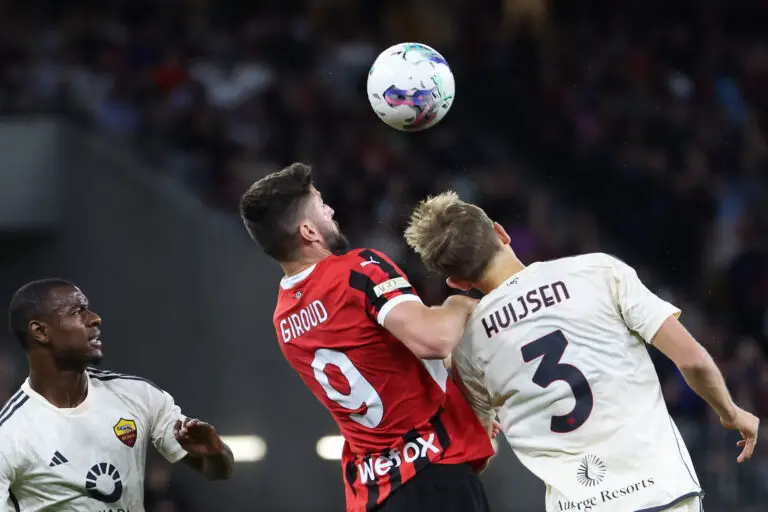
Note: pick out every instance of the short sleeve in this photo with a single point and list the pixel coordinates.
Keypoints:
(471, 382)
(642, 310)
(382, 284)
(165, 414)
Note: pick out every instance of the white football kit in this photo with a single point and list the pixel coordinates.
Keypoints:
(89, 458)
(558, 353)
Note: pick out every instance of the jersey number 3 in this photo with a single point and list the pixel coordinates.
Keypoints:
(551, 348)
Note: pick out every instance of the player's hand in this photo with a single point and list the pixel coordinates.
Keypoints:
(198, 438)
(495, 429)
(748, 425)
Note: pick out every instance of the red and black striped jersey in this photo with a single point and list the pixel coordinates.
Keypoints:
(397, 413)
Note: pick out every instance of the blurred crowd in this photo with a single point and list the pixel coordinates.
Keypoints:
(589, 125)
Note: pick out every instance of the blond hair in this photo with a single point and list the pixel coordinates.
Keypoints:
(452, 237)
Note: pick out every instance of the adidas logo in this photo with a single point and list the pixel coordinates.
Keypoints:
(57, 460)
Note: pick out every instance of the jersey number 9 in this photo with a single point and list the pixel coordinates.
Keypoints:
(360, 390)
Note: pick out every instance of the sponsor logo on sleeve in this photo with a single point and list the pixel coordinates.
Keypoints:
(391, 285)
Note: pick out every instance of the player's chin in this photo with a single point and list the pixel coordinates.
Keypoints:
(95, 355)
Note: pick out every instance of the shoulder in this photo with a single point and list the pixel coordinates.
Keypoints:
(13, 411)
(592, 259)
(121, 381)
(586, 263)
(17, 417)
(340, 270)
(360, 258)
(601, 259)
(144, 395)
(364, 269)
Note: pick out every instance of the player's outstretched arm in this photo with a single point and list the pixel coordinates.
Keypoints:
(206, 452)
(655, 320)
(703, 376)
(430, 332)
(387, 296)
(195, 442)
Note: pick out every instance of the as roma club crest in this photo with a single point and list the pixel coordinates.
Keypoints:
(125, 430)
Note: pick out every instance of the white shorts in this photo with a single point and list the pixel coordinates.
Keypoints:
(691, 505)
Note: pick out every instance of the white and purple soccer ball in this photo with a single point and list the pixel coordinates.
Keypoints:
(411, 87)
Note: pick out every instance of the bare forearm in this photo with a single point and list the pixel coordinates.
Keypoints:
(219, 466)
(447, 323)
(695, 363)
(707, 381)
(702, 374)
(430, 332)
(214, 467)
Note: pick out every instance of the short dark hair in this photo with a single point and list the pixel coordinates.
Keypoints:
(271, 207)
(30, 302)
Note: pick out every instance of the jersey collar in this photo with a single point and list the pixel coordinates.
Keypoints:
(288, 282)
(62, 410)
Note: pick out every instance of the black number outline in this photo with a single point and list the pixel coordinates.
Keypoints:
(550, 348)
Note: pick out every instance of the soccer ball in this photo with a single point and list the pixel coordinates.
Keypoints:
(411, 87)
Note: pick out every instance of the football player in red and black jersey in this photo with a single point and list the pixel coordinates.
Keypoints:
(354, 329)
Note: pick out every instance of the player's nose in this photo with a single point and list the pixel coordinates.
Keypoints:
(94, 320)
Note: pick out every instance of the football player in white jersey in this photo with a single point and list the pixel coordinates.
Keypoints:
(557, 350)
(74, 438)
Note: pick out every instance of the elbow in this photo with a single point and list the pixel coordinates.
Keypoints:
(693, 367)
(424, 331)
(431, 349)
(438, 339)
(436, 354)
(695, 362)
(429, 343)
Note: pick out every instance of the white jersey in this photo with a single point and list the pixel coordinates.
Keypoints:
(558, 353)
(89, 458)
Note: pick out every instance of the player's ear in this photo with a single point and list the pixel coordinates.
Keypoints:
(458, 284)
(502, 234)
(309, 232)
(38, 331)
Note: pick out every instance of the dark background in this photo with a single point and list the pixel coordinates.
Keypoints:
(131, 128)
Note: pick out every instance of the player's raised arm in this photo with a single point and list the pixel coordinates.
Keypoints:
(656, 321)
(429, 332)
(193, 441)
